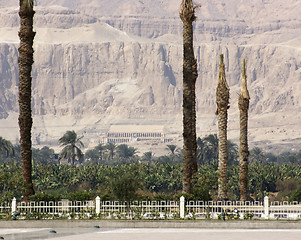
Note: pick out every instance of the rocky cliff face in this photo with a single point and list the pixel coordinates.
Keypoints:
(98, 64)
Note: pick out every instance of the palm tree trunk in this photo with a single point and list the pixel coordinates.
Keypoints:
(222, 101)
(189, 114)
(243, 104)
(25, 61)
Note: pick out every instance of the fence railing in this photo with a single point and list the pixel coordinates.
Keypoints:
(97, 209)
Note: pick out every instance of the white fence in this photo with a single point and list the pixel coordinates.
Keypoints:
(97, 209)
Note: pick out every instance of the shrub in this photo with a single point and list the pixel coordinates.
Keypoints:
(80, 196)
(46, 197)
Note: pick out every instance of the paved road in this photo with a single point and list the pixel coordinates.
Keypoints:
(151, 234)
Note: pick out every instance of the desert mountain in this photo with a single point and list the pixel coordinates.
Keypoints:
(99, 63)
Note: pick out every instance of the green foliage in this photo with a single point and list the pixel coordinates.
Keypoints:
(125, 185)
(162, 178)
(162, 197)
(248, 215)
(6, 148)
(80, 196)
(11, 181)
(201, 189)
(46, 197)
(207, 150)
(72, 146)
(44, 155)
(126, 153)
(95, 155)
(147, 156)
(296, 195)
(159, 180)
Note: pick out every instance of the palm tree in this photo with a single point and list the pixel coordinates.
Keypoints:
(243, 105)
(26, 35)
(190, 74)
(6, 147)
(99, 149)
(148, 156)
(111, 148)
(257, 155)
(222, 101)
(95, 154)
(212, 147)
(201, 150)
(72, 146)
(232, 152)
(125, 152)
(172, 148)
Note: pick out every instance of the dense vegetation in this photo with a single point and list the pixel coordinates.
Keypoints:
(116, 172)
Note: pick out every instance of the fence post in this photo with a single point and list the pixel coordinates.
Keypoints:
(97, 202)
(14, 206)
(182, 206)
(266, 207)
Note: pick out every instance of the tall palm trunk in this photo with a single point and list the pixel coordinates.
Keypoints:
(222, 101)
(189, 78)
(243, 104)
(25, 60)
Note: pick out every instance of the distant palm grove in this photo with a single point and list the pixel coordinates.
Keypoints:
(116, 172)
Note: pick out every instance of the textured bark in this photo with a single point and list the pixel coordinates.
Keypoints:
(189, 114)
(243, 105)
(25, 61)
(222, 101)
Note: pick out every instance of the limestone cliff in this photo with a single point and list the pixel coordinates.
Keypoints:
(95, 68)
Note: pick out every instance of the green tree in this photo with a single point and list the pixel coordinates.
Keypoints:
(95, 155)
(26, 35)
(148, 156)
(201, 150)
(6, 148)
(126, 153)
(222, 101)
(243, 104)
(190, 74)
(72, 146)
(257, 155)
(208, 149)
(126, 185)
(45, 155)
(110, 147)
(172, 148)
(232, 153)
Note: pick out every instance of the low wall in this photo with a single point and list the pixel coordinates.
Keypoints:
(240, 224)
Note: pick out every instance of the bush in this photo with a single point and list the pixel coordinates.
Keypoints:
(296, 195)
(125, 187)
(248, 215)
(80, 196)
(46, 197)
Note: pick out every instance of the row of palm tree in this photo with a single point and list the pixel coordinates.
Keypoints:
(222, 101)
(110, 153)
(158, 178)
(187, 15)
(26, 35)
(207, 153)
(72, 144)
(190, 143)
